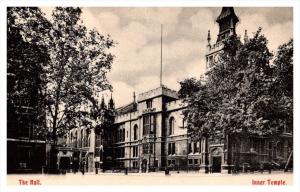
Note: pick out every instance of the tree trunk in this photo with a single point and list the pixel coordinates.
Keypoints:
(229, 153)
(206, 155)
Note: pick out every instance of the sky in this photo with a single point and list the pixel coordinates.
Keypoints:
(136, 67)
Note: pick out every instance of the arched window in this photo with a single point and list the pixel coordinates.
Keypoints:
(71, 139)
(135, 132)
(171, 125)
(81, 138)
(76, 137)
(87, 137)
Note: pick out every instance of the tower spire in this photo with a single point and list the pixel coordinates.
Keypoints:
(208, 38)
(161, 33)
(246, 37)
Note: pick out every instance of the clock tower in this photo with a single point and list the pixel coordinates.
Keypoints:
(227, 21)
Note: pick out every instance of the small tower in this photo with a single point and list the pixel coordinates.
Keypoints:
(102, 105)
(227, 21)
(111, 103)
(134, 97)
(246, 39)
(208, 40)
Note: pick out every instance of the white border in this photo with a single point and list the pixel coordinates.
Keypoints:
(148, 3)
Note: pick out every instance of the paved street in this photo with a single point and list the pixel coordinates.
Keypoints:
(276, 178)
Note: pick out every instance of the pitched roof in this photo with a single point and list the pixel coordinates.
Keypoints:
(227, 12)
(131, 107)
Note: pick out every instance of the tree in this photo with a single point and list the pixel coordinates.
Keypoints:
(26, 77)
(200, 111)
(238, 100)
(77, 71)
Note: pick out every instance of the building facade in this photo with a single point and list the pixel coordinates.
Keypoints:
(150, 133)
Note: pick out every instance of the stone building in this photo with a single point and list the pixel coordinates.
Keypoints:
(150, 134)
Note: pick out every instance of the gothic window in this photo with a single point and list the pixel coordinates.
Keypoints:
(171, 125)
(76, 136)
(135, 132)
(82, 138)
(148, 124)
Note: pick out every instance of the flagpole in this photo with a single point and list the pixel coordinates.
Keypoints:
(161, 32)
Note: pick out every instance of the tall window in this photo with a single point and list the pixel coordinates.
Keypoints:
(135, 151)
(171, 125)
(135, 132)
(81, 138)
(171, 149)
(196, 147)
(148, 124)
(123, 134)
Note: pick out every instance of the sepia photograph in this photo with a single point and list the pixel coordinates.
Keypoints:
(150, 96)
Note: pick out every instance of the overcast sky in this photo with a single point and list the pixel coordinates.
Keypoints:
(137, 31)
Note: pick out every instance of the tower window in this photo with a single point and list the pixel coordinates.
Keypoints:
(149, 103)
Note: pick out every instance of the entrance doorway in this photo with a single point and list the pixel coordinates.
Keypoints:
(216, 158)
(144, 166)
(216, 164)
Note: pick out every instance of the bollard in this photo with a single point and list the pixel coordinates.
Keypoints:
(167, 172)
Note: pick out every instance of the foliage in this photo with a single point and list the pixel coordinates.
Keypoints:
(76, 69)
(244, 92)
(25, 73)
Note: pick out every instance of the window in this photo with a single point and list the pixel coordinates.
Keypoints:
(196, 147)
(76, 136)
(149, 104)
(123, 134)
(190, 148)
(135, 132)
(171, 162)
(171, 125)
(190, 161)
(148, 148)
(171, 149)
(121, 152)
(87, 138)
(135, 164)
(82, 138)
(135, 151)
(148, 124)
(196, 161)
(183, 123)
